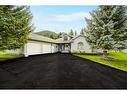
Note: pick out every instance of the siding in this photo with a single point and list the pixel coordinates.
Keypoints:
(39, 48)
(74, 45)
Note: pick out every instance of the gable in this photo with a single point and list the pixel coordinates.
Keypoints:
(66, 37)
(79, 43)
(79, 39)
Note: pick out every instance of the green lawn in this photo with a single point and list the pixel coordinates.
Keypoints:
(6, 56)
(120, 63)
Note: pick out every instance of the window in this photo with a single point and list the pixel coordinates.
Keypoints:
(80, 45)
(65, 38)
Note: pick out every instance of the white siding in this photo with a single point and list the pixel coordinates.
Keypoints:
(54, 48)
(74, 45)
(36, 47)
(46, 48)
(33, 48)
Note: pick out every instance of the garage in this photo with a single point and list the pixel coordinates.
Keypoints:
(39, 45)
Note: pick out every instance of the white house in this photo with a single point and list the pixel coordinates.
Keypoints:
(73, 44)
(40, 45)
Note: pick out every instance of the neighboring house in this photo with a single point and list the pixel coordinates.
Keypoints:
(40, 45)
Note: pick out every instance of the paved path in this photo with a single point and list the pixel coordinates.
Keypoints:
(56, 71)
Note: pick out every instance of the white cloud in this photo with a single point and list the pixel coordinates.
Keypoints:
(66, 17)
(72, 17)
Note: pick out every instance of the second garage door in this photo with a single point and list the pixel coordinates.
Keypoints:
(46, 48)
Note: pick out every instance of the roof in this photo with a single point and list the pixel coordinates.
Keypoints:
(60, 40)
(37, 37)
(66, 34)
(77, 37)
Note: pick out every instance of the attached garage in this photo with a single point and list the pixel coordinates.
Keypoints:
(39, 45)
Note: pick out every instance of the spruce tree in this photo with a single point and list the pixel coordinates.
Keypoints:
(107, 28)
(82, 32)
(71, 33)
(75, 33)
(15, 26)
(59, 35)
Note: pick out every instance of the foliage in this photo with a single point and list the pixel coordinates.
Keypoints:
(82, 32)
(71, 33)
(60, 35)
(15, 26)
(75, 33)
(107, 28)
(49, 34)
(120, 63)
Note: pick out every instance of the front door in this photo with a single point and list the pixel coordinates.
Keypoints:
(65, 48)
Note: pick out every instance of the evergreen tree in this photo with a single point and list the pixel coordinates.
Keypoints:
(51, 36)
(71, 33)
(107, 28)
(75, 33)
(59, 35)
(82, 32)
(15, 26)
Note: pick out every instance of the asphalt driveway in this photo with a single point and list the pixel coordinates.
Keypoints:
(57, 71)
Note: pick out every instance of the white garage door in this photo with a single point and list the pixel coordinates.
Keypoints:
(46, 48)
(33, 48)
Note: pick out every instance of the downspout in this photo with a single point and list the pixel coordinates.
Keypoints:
(51, 48)
(25, 50)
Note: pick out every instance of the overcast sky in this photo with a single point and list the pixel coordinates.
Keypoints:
(60, 18)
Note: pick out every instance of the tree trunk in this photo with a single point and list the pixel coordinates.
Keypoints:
(105, 54)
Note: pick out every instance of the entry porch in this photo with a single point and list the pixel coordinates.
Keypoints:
(64, 47)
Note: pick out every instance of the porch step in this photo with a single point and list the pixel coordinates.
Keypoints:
(64, 51)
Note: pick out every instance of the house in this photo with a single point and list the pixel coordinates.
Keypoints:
(72, 44)
(41, 45)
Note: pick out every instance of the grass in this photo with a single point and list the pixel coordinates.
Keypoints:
(6, 56)
(120, 62)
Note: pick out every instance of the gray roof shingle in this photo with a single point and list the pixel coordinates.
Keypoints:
(37, 37)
